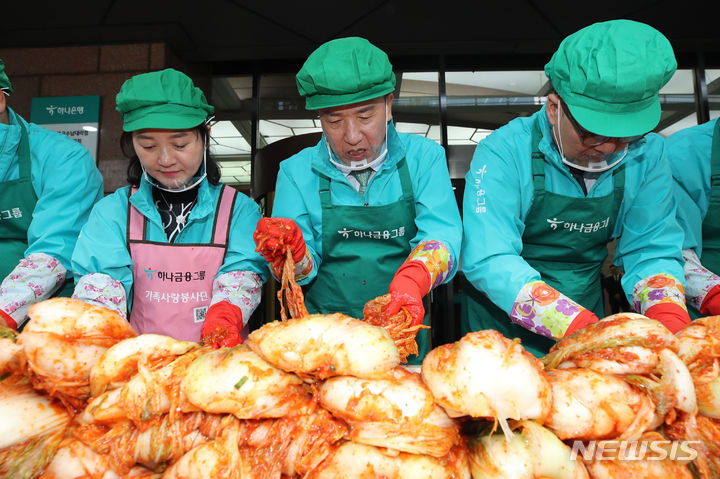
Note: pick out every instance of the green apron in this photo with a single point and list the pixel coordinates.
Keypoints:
(565, 240)
(17, 202)
(710, 257)
(363, 246)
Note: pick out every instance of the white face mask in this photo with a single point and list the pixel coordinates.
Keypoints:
(188, 184)
(589, 169)
(362, 165)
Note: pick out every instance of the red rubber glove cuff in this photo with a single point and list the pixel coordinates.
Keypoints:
(670, 315)
(581, 320)
(711, 304)
(279, 233)
(411, 278)
(410, 283)
(8, 320)
(223, 315)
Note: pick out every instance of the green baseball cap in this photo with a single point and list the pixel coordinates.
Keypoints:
(343, 72)
(609, 74)
(163, 99)
(4, 80)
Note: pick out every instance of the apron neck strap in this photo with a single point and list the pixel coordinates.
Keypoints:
(538, 159)
(137, 223)
(405, 180)
(24, 151)
(324, 191)
(221, 227)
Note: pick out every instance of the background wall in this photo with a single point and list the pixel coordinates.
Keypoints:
(89, 70)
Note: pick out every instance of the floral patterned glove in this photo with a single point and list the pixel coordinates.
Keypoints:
(544, 310)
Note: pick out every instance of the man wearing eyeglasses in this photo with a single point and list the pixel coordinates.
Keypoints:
(545, 194)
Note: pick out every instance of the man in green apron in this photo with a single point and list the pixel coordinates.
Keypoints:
(694, 155)
(545, 194)
(367, 210)
(48, 185)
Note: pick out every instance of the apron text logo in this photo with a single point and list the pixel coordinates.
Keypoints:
(177, 277)
(176, 298)
(10, 214)
(480, 193)
(581, 227)
(386, 234)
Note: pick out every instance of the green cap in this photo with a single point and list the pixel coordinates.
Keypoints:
(343, 72)
(163, 99)
(609, 74)
(4, 80)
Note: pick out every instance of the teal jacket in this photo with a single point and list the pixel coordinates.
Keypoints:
(66, 182)
(437, 217)
(648, 238)
(689, 152)
(102, 246)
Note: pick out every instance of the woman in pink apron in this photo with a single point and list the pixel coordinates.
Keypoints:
(173, 251)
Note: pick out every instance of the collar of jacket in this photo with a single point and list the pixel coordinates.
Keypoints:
(10, 134)
(142, 200)
(9, 143)
(321, 163)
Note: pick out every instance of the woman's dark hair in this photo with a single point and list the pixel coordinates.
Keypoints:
(134, 170)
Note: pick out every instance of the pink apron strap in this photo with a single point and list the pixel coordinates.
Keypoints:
(223, 214)
(136, 221)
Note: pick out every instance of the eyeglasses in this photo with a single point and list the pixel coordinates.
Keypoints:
(591, 139)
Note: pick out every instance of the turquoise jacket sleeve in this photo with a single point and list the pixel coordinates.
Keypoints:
(688, 152)
(293, 191)
(649, 238)
(499, 193)
(241, 254)
(67, 184)
(437, 215)
(102, 245)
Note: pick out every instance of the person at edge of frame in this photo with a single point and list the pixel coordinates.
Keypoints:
(694, 156)
(546, 193)
(48, 185)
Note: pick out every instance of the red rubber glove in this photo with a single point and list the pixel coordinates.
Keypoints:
(223, 315)
(581, 320)
(274, 235)
(410, 283)
(671, 315)
(711, 304)
(9, 322)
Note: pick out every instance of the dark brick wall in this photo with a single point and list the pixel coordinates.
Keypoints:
(89, 70)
